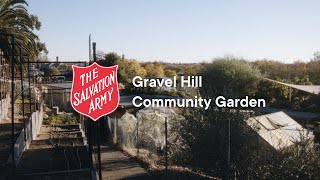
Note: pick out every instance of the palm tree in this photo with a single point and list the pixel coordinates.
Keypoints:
(15, 20)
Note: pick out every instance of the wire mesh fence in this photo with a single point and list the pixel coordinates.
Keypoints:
(216, 144)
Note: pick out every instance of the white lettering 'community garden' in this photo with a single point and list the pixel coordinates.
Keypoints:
(220, 102)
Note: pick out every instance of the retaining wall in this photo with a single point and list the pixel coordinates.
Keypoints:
(32, 130)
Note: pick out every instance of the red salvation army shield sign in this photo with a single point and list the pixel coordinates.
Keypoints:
(95, 90)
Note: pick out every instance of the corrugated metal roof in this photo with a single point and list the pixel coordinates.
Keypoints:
(278, 129)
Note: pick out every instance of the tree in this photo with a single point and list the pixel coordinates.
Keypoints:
(203, 144)
(316, 56)
(128, 69)
(273, 69)
(100, 55)
(300, 73)
(313, 68)
(110, 59)
(170, 73)
(15, 20)
(192, 69)
(154, 70)
(231, 77)
(210, 129)
(52, 71)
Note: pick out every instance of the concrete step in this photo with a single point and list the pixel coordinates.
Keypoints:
(62, 157)
(73, 134)
(78, 141)
(84, 174)
(53, 159)
(60, 128)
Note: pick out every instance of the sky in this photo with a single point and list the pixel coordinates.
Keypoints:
(180, 30)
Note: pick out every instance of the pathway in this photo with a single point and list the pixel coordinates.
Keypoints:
(115, 165)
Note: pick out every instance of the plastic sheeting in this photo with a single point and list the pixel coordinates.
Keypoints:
(313, 89)
(278, 129)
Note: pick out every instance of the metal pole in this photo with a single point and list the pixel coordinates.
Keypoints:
(115, 130)
(12, 107)
(29, 86)
(90, 48)
(98, 123)
(290, 94)
(94, 52)
(89, 122)
(90, 139)
(34, 94)
(228, 163)
(22, 94)
(166, 139)
(137, 143)
(99, 152)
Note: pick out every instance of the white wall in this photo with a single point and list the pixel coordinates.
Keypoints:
(32, 129)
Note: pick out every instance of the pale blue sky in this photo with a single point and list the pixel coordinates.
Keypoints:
(181, 30)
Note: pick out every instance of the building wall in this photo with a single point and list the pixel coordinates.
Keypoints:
(59, 98)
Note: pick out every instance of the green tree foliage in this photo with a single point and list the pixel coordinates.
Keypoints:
(154, 70)
(231, 77)
(100, 55)
(16, 20)
(110, 59)
(300, 69)
(272, 69)
(170, 73)
(52, 71)
(192, 69)
(300, 73)
(313, 68)
(128, 69)
(42, 47)
(276, 95)
(188, 69)
(203, 138)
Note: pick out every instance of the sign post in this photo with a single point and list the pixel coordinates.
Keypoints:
(98, 122)
(95, 93)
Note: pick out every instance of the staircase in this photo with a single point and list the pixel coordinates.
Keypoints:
(57, 153)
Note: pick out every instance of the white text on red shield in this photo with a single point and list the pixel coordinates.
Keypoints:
(96, 88)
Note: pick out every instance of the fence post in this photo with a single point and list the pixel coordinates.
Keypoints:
(22, 95)
(99, 150)
(12, 106)
(90, 139)
(166, 141)
(227, 168)
(137, 139)
(115, 130)
(29, 85)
